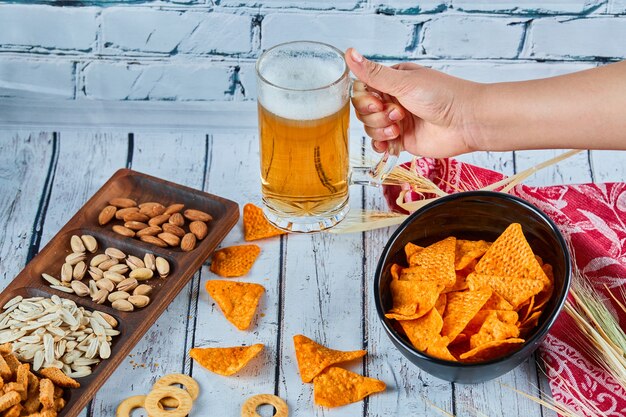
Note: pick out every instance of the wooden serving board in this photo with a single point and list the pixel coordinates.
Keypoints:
(132, 325)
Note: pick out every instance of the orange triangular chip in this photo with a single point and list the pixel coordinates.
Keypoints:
(313, 358)
(460, 309)
(412, 299)
(411, 249)
(459, 285)
(437, 257)
(474, 325)
(440, 305)
(238, 300)
(225, 361)
(514, 290)
(336, 387)
(496, 302)
(511, 255)
(256, 226)
(439, 349)
(424, 331)
(493, 329)
(234, 261)
(467, 251)
(491, 350)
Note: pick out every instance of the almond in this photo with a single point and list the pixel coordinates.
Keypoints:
(135, 217)
(153, 240)
(174, 208)
(199, 229)
(149, 231)
(169, 238)
(188, 242)
(124, 231)
(173, 229)
(106, 215)
(119, 215)
(194, 215)
(133, 225)
(123, 202)
(152, 209)
(159, 220)
(177, 219)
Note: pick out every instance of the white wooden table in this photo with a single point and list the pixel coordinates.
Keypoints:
(319, 285)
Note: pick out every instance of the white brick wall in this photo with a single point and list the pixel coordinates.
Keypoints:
(204, 50)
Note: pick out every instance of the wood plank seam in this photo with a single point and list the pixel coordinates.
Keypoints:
(44, 201)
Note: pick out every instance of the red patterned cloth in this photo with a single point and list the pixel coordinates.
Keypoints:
(592, 218)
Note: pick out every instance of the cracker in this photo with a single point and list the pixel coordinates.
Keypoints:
(186, 381)
(46, 393)
(184, 402)
(248, 409)
(59, 378)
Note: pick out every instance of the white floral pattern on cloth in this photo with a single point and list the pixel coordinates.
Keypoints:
(592, 218)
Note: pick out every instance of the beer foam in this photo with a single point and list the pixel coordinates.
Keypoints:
(302, 73)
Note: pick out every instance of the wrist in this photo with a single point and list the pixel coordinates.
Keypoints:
(475, 117)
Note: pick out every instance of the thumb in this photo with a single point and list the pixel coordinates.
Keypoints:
(380, 77)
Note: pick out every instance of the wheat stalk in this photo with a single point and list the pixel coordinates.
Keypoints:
(366, 220)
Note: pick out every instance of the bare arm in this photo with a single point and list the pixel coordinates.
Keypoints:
(582, 110)
(433, 114)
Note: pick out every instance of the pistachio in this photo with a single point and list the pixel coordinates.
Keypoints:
(80, 288)
(118, 295)
(128, 284)
(119, 268)
(114, 277)
(105, 284)
(96, 273)
(80, 269)
(66, 272)
(90, 243)
(122, 305)
(141, 274)
(139, 300)
(100, 296)
(142, 289)
(93, 288)
(134, 262)
(98, 259)
(149, 261)
(115, 253)
(77, 244)
(108, 263)
(75, 257)
(163, 267)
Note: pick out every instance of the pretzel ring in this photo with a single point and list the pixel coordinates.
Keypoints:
(180, 395)
(249, 407)
(129, 404)
(186, 381)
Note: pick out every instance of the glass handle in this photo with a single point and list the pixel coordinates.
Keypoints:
(375, 175)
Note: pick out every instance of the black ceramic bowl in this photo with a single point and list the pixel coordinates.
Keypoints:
(475, 215)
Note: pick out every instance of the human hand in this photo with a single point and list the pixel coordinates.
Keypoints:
(426, 112)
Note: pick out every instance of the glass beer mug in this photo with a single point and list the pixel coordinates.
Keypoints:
(304, 114)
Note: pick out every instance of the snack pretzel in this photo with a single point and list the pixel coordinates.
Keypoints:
(181, 396)
(186, 381)
(248, 409)
(129, 404)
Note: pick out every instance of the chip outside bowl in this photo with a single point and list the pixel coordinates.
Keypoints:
(475, 215)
